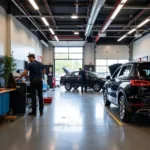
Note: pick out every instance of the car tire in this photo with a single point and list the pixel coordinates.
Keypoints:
(106, 102)
(96, 87)
(76, 87)
(68, 86)
(125, 115)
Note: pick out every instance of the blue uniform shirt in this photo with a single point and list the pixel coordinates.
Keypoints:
(35, 68)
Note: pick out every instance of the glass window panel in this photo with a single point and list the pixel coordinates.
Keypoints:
(75, 50)
(111, 62)
(61, 56)
(100, 69)
(75, 56)
(123, 61)
(101, 62)
(61, 49)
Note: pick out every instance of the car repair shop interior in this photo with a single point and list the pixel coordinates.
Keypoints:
(110, 41)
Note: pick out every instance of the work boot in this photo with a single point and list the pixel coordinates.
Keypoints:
(32, 113)
(41, 113)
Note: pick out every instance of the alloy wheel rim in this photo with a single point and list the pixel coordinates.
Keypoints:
(105, 96)
(122, 108)
(96, 87)
(68, 85)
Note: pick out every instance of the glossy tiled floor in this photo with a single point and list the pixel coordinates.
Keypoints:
(74, 121)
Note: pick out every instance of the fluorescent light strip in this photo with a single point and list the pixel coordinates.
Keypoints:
(123, 1)
(106, 25)
(122, 38)
(76, 33)
(52, 31)
(131, 31)
(33, 3)
(143, 23)
(116, 11)
(56, 38)
(45, 21)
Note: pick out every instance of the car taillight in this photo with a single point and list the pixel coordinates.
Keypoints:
(140, 83)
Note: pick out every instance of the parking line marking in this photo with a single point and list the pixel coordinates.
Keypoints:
(113, 116)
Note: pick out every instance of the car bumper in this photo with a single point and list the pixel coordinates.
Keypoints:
(139, 105)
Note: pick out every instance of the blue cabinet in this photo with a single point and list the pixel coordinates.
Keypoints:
(1, 105)
(5, 103)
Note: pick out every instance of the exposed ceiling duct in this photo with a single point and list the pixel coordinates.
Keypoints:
(97, 5)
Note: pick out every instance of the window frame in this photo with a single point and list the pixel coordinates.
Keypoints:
(126, 68)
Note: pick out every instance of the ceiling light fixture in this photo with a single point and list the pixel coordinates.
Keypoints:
(52, 31)
(116, 11)
(74, 16)
(123, 1)
(106, 25)
(143, 23)
(33, 3)
(131, 31)
(76, 33)
(122, 38)
(56, 38)
(45, 21)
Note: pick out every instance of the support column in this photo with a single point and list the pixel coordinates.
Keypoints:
(89, 56)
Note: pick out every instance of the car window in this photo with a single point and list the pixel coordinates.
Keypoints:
(144, 70)
(93, 74)
(75, 74)
(116, 73)
(125, 71)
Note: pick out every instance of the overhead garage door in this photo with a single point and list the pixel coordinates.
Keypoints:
(108, 55)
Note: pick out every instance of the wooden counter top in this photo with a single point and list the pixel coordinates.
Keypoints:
(8, 90)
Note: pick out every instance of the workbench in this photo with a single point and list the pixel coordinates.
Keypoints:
(5, 101)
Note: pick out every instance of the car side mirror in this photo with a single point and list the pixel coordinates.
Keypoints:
(108, 78)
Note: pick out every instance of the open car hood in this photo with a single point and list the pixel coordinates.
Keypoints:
(113, 68)
(67, 71)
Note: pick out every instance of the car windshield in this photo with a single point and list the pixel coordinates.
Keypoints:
(93, 74)
(144, 70)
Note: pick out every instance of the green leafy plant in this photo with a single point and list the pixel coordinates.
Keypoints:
(7, 65)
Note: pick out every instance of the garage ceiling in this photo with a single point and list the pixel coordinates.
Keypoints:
(58, 12)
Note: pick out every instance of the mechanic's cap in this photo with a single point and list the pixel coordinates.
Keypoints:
(31, 55)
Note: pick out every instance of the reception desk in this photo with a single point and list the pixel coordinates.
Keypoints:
(5, 101)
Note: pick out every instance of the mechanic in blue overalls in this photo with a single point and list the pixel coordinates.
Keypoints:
(83, 78)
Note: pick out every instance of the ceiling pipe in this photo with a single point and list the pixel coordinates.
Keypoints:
(97, 5)
(107, 20)
(128, 7)
(82, 30)
(29, 18)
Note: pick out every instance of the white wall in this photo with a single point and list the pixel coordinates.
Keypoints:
(48, 55)
(3, 33)
(141, 47)
(89, 54)
(23, 41)
(112, 52)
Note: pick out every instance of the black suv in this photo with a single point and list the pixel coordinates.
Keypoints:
(70, 80)
(129, 88)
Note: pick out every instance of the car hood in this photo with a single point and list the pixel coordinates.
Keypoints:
(113, 68)
(67, 71)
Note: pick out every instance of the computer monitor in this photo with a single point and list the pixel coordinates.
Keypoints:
(11, 81)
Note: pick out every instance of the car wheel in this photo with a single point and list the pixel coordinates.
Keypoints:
(96, 87)
(68, 86)
(75, 86)
(106, 102)
(125, 115)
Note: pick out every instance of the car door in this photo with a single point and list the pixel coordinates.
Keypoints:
(74, 78)
(112, 86)
(121, 77)
(89, 79)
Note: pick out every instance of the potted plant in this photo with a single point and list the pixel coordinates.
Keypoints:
(7, 65)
